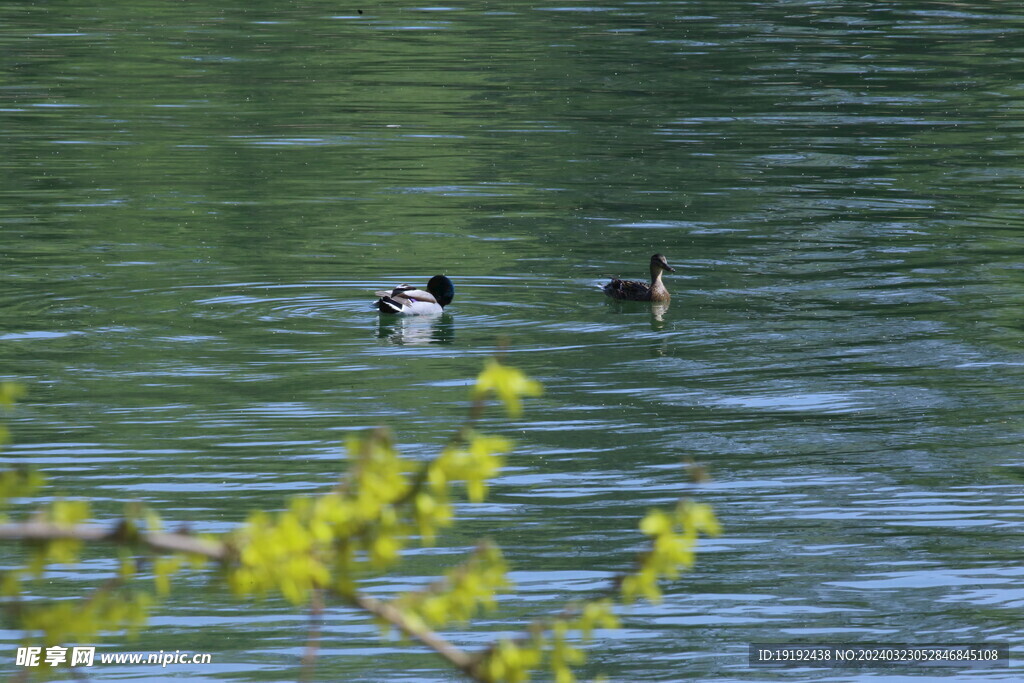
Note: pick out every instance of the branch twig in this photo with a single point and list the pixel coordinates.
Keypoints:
(159, 541)
(460, 659)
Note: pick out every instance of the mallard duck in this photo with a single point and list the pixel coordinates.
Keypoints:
(631, 290)
(407, 300)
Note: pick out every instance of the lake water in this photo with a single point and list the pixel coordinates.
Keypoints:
(199, 200)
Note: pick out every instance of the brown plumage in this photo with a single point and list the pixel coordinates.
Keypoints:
(631, 290)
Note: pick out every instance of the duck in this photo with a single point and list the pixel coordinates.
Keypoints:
(631, 290)
(407, 300)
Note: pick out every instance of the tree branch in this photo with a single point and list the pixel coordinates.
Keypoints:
(162, 542)
(460, 659)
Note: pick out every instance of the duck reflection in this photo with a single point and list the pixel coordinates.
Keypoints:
(416, 329)
(657, 310)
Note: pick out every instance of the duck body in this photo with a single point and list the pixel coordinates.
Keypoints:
(407, 300)
(632, 290)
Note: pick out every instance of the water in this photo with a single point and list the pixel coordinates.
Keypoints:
(199, 202)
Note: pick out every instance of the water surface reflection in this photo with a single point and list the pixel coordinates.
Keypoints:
(416, 329)
(196, 205)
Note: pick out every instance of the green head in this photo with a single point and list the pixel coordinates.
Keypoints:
(442, 289)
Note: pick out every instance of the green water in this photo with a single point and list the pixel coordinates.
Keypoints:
(199, 201)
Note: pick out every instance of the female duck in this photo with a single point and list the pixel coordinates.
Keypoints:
(407, 300)
(631, 290)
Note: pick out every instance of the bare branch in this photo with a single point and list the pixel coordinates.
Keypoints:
(159, 541)
(316, 622)
(460, 659)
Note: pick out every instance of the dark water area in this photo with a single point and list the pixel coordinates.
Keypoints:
(198, 202)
